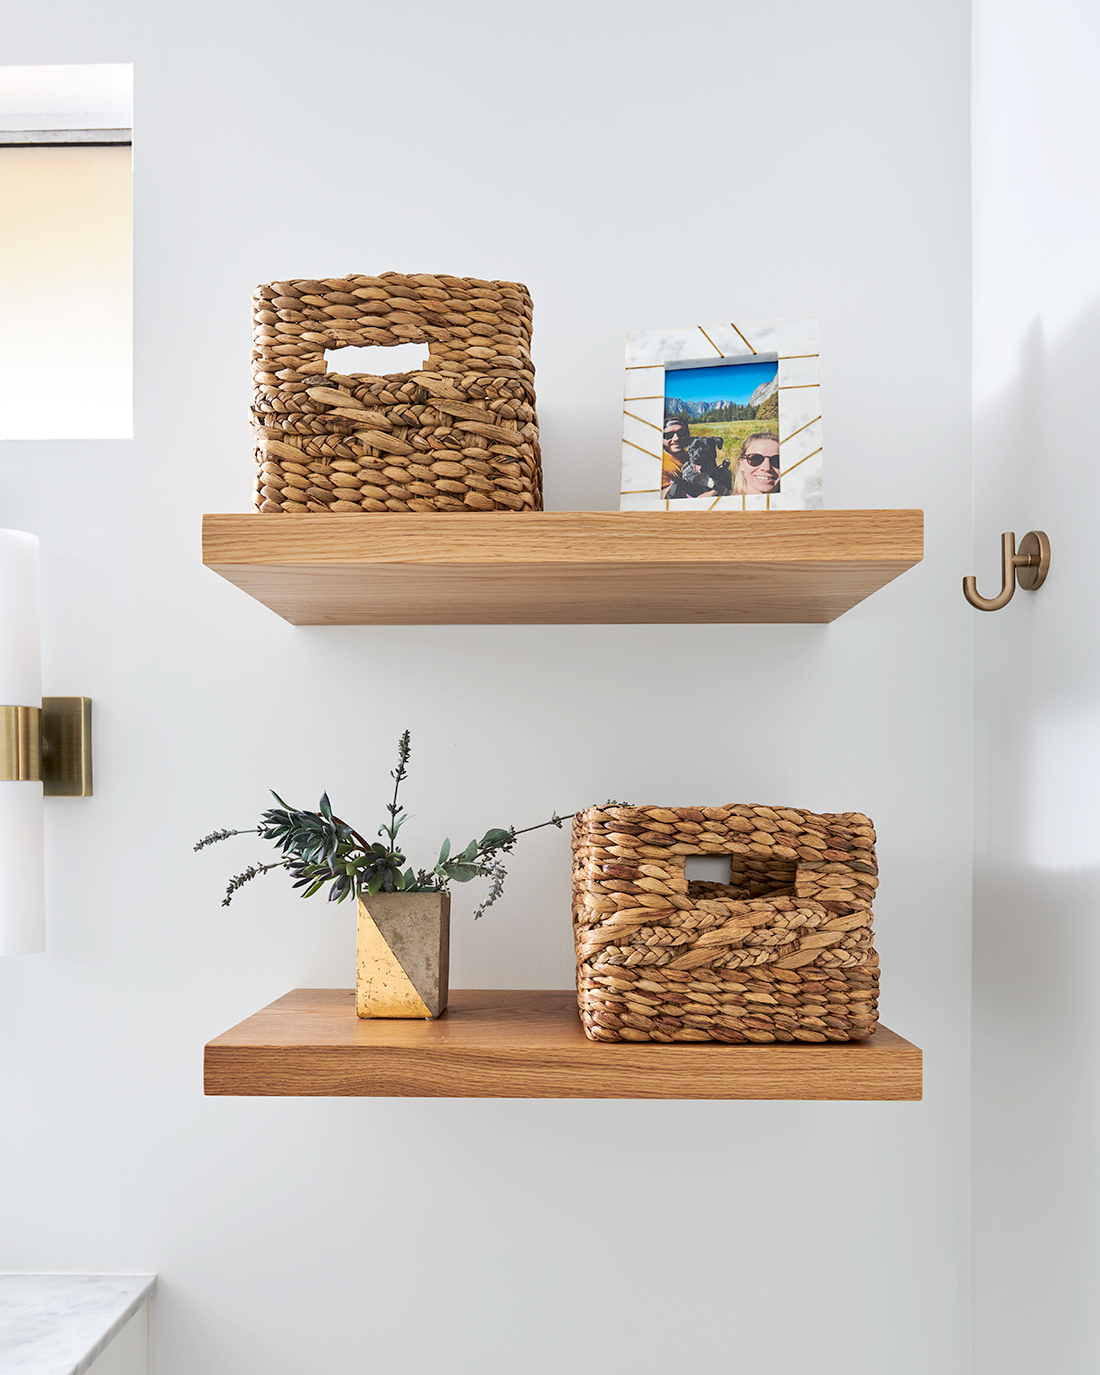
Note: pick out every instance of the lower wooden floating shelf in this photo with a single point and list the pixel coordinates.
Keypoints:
(527, 1044)
(563, 567)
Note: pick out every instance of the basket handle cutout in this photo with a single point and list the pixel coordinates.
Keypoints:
(376, 360)
(707, 868)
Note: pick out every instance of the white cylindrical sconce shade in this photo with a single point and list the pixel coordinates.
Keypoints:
(22, 887)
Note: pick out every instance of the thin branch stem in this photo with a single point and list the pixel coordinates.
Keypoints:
(403, 750)
(363, 844)
(215, 836)
(554, 821)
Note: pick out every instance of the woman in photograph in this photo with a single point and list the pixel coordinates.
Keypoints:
(757, 466)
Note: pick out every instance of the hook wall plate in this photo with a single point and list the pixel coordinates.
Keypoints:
(1028, 567)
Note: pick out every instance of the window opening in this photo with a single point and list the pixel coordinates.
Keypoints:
(66, 295)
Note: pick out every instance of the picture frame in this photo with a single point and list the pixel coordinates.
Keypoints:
(746, 433)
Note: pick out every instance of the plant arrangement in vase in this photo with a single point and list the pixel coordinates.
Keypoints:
(404, 913)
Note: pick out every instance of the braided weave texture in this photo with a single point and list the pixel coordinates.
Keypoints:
(781, 953)
(460, 435)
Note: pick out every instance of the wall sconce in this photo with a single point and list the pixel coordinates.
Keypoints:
(45, 749)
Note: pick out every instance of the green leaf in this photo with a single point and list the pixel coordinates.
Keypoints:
(375, 883)
(410, 879)
(470, 851)
(325, 807)
(494, 837)
(462, 873)
(444, 851)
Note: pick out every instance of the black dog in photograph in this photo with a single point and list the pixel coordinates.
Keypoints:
(702, 473)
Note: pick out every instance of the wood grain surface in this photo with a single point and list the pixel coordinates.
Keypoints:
(527, 1044)
(564, 568)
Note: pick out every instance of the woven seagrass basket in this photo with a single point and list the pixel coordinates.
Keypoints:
(460, 435)
(781, 953)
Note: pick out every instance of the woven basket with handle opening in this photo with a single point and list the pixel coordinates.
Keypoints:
(781, 953)
(458, 435)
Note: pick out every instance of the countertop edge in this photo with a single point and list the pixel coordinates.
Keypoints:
(131, 1310)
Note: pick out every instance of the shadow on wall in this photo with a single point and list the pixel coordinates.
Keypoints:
(1036, 1187)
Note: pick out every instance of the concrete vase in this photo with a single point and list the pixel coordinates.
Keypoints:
(402, 955)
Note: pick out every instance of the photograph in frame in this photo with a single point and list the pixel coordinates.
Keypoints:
(723, 417)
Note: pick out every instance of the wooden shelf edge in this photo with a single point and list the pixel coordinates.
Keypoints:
(566, 537)
(563, 568)
(529, 1044)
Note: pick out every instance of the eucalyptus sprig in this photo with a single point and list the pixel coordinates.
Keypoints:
(318, 848)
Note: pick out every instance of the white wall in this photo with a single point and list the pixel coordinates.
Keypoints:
(636, 166)
(1037, 353)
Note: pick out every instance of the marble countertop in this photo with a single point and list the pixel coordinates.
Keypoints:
(59, 1324)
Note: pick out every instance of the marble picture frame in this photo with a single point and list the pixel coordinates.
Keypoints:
(651, 353)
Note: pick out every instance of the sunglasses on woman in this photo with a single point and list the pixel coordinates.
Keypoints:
(755, 460)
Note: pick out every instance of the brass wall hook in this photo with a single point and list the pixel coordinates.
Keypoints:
(1033, 562)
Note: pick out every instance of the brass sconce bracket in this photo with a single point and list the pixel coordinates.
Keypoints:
(1028, 567)
(67, 746)
(53, 744)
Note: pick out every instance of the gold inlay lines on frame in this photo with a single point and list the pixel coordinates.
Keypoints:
(640, 421)
(799, 386)
(742, 338)
(648, 452)
(784, 471)
(800, 429)
(711, 342)
(643, 398)
(20, 744)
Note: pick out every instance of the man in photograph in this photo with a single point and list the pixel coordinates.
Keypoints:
(676, 437)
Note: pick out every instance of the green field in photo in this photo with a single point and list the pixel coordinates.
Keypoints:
(732, 433)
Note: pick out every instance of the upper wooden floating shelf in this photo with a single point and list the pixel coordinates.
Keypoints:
(527, 1044)
(563, 568)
